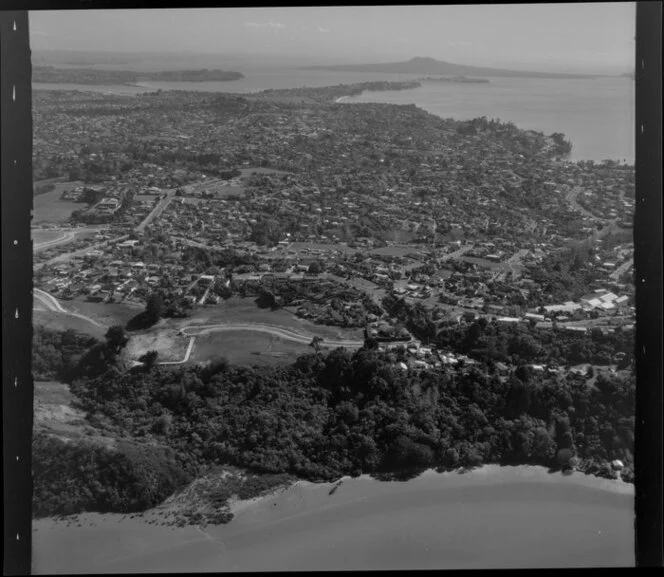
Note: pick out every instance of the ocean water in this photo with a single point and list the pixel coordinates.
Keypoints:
(490, 518)
(597, 115)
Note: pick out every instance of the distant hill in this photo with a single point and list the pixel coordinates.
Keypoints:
(440, 67)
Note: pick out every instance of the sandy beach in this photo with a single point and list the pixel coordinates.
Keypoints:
(507, 517)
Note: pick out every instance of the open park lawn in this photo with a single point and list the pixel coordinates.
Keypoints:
(49, 207)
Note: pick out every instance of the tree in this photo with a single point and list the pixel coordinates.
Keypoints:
(116, 338)
(154, 307)
(266, 231)
(451, 458)
(405, 453)
(315, 267)
(522, 373)
(149, 360)
(564, 457)
(163, 424)
(315, 344)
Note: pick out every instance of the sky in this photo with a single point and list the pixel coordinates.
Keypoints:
(574, 36)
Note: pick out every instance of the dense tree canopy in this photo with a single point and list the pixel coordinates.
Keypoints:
(324, 416)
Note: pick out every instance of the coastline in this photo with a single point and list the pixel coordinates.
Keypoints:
(294, 527)
(486, 474)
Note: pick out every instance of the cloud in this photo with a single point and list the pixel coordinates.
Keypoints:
(460, 43)
(323, 30)
(274, 25)
(402, 40)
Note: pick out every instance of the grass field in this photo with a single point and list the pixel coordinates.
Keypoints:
(244, 310)
(259, 170)
(218, 188)
(482, 262)
(226, 191)
(52, 392)
(247, 348)
(49, 207)
(244, 347)
(106, 313)
(56, 414)
(301, 246)
(395, 250)
(41, 236)
(62, 322)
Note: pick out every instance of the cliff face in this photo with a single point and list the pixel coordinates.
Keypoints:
(440, 67)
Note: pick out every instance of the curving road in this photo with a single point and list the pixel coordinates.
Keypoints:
(281, 332)
(65, 238)
(52, 304)
(81, 251)
(571, 198)
(186, 355)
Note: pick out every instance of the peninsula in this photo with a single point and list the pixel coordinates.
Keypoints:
(440, 67)
(455, 79)
(51, 74)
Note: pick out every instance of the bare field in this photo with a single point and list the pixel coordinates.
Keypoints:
(169, 345)
(243, 347)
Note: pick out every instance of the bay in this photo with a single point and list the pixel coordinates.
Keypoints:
(597, 115)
